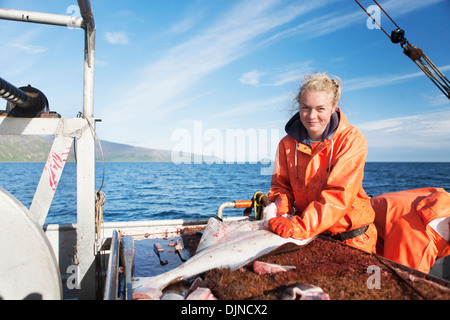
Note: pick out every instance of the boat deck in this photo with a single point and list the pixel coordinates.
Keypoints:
(147, 262)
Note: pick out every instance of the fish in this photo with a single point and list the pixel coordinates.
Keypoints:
(173, 296)
(201, 294)
(260, 267)
(304, 291)
(223, 245)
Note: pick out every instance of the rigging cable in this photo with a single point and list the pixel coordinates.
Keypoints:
(414, 53)
(100, 197)
(402, 278)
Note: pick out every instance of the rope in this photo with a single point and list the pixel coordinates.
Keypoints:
(99, 202)
(257, 204)
(100, 258)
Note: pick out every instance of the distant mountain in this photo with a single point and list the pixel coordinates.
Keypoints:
(24, 148)
(37, 148)
(118, 152)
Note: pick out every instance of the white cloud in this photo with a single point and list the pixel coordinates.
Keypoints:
(378, 81)
(292, 73)
(164, 82)
(252, 107)
(251, 77)
(400, 7)
(336, 21)
(183, 25)
(418, 131)
(22, 41)
(100, 63)
(385, 125)
(435, 100)
(30, 48)
(227, 39)
(119, 37)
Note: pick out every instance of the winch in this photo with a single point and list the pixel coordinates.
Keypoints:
(24, 102)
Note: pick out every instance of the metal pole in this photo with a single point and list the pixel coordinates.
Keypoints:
(112, 274)
(86, 248)
(40, 17)
(89, 57)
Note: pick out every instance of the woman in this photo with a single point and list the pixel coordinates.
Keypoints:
(319, 171)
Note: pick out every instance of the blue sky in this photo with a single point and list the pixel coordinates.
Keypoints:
(195, 75)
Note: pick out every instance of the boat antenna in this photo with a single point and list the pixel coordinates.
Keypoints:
(414, 53)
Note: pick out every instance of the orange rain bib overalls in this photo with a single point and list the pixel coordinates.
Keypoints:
(413, 226)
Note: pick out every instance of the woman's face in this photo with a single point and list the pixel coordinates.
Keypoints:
(315, 112)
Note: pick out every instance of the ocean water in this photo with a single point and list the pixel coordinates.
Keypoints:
(153, 191)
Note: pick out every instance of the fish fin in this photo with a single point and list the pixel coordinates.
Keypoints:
(214, 231)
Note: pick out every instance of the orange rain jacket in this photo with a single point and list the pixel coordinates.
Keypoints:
(413, 226)
(322, 182)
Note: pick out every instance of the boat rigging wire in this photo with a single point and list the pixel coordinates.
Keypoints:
(402, 278)
(99, 195)
(386, 13)
(99, 221)
(81, 115)
(414, 53)
(373, 19)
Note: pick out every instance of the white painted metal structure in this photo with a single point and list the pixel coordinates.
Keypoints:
(29, 269)
(47, 261)
(64, 131)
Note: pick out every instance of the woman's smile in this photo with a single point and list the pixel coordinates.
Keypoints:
(315, 113)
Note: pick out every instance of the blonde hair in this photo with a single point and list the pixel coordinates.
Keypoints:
(321, 82)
